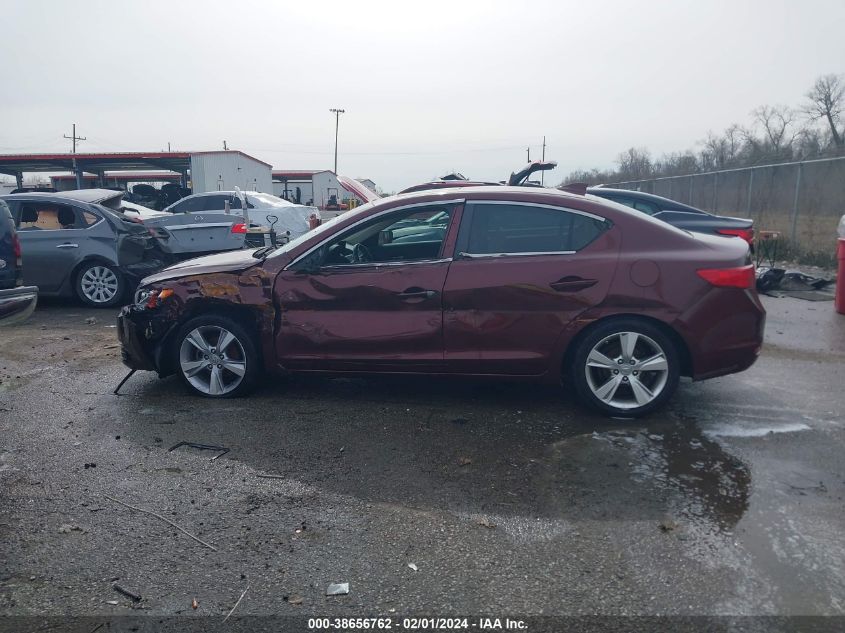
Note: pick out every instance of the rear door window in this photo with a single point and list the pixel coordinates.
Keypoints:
(213, 203)
(43, 216)
(89, 219)
(507, 228)
(639, 205)
(188, 205)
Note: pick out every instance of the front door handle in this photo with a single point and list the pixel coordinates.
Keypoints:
(573, 284)
(68, 245)
(416, 293)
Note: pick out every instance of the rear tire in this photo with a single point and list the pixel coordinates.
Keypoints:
(625, 368)
(100, 285)
(216, 357)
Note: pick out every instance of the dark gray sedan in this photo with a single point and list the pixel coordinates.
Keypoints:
(678, 214)
(74, 248)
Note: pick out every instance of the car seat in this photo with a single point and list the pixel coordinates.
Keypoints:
(29, 215)
(66, 217)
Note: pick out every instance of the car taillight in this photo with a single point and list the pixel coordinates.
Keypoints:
(16, 246)
(746, 234)
(239, 228)
(740, 277)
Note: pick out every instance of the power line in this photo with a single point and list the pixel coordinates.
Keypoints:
(75, 138)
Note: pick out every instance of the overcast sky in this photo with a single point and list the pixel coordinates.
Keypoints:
(428, 87)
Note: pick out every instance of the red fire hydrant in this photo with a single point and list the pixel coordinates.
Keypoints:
(840, 273)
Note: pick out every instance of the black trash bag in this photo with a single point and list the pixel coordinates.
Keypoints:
(769, 279)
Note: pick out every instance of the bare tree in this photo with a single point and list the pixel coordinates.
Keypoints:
(733, 143)
(635, 164)
(825, 101)
(776, 122)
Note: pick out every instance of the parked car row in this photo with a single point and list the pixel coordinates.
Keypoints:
(94, 245)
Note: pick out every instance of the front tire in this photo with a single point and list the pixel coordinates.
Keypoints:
(216, 357)
(100, 285)
(625, 368)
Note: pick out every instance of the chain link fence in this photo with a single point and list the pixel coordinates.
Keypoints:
(801, 200)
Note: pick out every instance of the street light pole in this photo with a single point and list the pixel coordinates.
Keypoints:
(337, 113)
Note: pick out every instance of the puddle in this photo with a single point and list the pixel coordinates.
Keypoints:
(647, 473)
(744, 430)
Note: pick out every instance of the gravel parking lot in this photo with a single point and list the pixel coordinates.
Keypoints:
(508, 499)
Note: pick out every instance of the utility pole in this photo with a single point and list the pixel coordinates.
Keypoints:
(543, 173)
(528, 153)
(168, 146)
(337, 113)
(73, 137)
(225, 148)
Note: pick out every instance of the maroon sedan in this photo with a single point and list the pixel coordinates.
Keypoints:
(485, 281)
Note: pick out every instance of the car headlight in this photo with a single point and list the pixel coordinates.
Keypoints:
(142, 294)
(149, 298)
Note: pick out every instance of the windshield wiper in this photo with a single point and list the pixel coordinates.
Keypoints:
(261, 253)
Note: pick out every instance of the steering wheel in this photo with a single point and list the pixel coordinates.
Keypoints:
(361, 254)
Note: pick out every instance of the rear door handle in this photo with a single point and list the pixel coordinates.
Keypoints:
(68, 245)
(416, 293)
(573, 284)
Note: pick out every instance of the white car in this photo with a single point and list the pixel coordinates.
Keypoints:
(139, 211)
(263, 209)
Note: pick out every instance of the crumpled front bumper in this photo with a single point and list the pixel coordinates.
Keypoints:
(142, 333)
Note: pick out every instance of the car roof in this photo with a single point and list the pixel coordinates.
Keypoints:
(95, 196)
(508, 192)
(219, 193)
(41, 197)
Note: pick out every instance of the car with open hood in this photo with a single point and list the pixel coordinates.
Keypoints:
(71, 247)
(524, 283)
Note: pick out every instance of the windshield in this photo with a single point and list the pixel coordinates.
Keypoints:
(325, 227)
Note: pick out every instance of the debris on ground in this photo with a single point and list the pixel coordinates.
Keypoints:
(337, 589)
(112, 602)
(168, 521)
(668, 525)
(91, 321)
(132, 596)
(195, 604)
(294, 600)
(413, 566)
(222, 450)
(67, 528)
(485, 522)
(464, 461)
(236, 604)
(780, 282)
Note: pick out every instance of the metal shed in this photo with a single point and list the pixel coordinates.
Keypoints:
(203, 171)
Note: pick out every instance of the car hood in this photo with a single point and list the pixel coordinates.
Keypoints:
(230, 261)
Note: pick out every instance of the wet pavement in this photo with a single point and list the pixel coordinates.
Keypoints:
(508, 498)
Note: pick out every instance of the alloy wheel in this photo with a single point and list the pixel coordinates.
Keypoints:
(213, 360)
(99, 284)
(627, 370)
